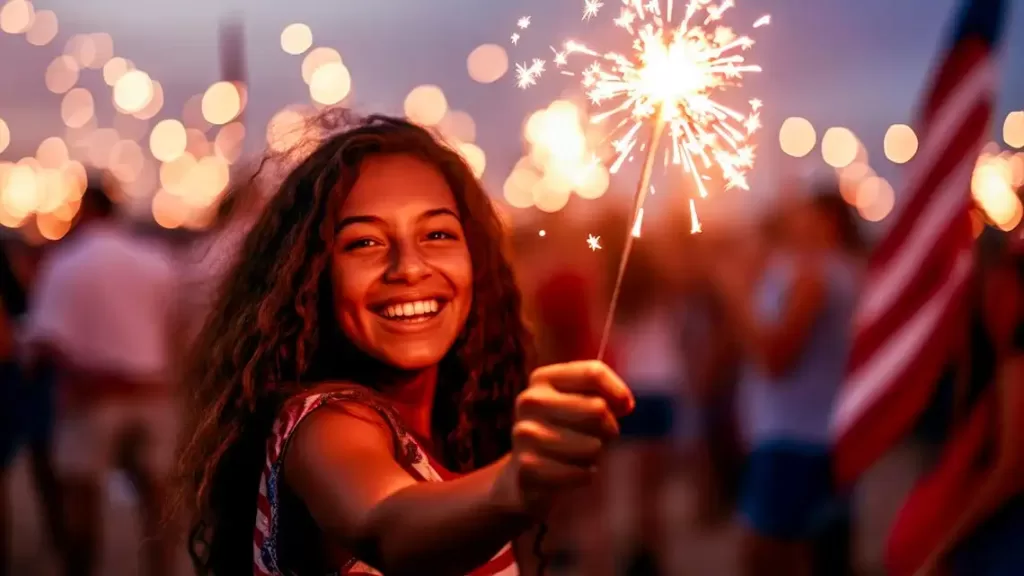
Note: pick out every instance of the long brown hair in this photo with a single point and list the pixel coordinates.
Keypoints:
(271, 334)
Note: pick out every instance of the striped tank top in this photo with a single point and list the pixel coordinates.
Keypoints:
(408, 451)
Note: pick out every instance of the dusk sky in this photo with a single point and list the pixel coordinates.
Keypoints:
(854, 63)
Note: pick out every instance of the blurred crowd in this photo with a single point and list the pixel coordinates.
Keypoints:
(733, 340)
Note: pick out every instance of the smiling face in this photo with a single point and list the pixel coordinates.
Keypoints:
(401, 271)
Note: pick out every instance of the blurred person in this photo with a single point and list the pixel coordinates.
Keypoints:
(966, 514)
(648, 352)
(711, 354)
(26, 400)
(101, 316)
(794, 323)
(362, 400)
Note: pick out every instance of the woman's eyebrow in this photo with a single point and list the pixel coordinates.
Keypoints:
(357, 220)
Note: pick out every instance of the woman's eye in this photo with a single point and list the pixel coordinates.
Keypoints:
(361, 243)
(440, 235)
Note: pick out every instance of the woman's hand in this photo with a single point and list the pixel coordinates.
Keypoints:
(564, 421)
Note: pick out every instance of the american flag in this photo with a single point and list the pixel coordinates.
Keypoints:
(911, 315)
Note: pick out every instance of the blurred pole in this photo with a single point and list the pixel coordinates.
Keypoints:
(232, 59)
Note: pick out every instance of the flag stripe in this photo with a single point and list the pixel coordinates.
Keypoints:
(911, 309)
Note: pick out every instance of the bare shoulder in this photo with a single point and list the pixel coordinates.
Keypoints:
(337, 428)
(341, 462)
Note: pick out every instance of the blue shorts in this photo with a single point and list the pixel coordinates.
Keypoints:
(994, 549)
(653, 418)
(26, 410)
(787, 490)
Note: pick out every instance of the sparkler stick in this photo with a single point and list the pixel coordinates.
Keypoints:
(641, 194)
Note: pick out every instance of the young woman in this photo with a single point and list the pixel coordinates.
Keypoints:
(362, 400)
(795, 330)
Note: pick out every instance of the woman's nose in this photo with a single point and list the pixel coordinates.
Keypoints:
(408, 264)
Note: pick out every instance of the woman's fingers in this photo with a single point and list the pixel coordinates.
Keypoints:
(585, 414)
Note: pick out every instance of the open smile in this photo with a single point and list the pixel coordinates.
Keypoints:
(412, 311)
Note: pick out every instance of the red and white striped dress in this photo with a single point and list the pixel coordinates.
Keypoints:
(410, 454)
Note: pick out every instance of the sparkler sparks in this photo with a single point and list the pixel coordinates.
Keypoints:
(677, 64)
(524, 22)
(666, 86)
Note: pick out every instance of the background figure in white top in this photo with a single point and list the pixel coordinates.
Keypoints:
(102, 314)
(794, 320)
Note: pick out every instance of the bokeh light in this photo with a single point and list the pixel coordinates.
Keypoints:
(839, 147)
(133, 91)
(426, 105)
(114, 69)
(875, 198)
(61, 74)
(900, 143)
(474, 157)
(5, 135)
(330, 83)
(458, 126)
(168, 210)
(229, 141)
(797, 137)
(52, 153)
(285, 129)
(155, 104)
(51, 226)
(1013, 129)
(296, 38)
(167, 140)
(77, 108)
(221, 103)
(126, 161)
(103, 50)
(316, 58)
(487, 63)
(44, 28)
(992, 188)
(16, 16)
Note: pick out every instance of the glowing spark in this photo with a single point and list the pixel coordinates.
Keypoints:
(694, 221)
(515, 38)
(542, 233)
(523, 22)
(559, 58)
(526, 75)
(593, 242)
(639, 222)
(678, 62)
(763, 21)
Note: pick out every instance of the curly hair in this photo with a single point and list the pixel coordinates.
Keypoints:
(271, 334)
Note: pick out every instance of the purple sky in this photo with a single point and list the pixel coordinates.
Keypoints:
(857, 63)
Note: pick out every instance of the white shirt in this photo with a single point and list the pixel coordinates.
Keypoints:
(105, 300)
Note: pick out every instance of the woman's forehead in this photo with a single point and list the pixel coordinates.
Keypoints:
(398, 183)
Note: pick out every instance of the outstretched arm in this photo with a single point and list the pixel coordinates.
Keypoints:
(341, 464)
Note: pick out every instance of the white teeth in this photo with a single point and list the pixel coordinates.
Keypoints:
(411, 310)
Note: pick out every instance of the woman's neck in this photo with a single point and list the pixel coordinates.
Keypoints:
(411, 394)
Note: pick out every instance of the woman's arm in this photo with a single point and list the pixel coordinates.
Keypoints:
(777, 346)
(1005, 478)
(341, 464)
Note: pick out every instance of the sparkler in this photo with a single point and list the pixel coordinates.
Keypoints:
(665, 86)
